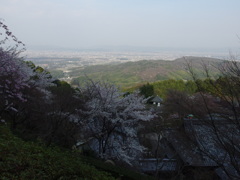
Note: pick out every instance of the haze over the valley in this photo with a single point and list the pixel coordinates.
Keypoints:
(105, 24)
(61, 34)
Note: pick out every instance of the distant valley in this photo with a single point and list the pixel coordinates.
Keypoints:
(125, 69)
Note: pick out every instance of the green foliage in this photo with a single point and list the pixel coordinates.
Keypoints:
(211, 86)
(132, 73)
(38, 69)
(30, 64)
(190, 87)
(63, 85)
(116, 171)
(161, 87)
(222, 86)
(29, 160)
(147, 90)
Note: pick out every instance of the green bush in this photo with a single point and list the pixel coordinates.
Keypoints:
(116, 171)
(30, 160)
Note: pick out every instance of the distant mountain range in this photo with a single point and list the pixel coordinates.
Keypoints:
(132, 73)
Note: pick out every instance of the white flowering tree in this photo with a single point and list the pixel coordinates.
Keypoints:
(17, 76)
(112, 120)
(12, 79)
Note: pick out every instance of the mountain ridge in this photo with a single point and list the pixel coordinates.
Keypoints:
(132, 73)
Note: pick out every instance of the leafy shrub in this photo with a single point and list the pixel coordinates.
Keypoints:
(29, 160)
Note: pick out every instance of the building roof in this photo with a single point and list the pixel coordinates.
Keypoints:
(151, 165)
(187, 150)
(168, 166)
(157, 99)
(199, 145)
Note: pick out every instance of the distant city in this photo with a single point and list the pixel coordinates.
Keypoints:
(67, 60)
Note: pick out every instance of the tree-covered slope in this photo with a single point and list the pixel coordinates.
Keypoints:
(33, 160)
(28, 160)
(130, 73)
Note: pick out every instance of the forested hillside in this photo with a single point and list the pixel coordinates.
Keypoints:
(132, 73)
(52, 130)
(96, 119)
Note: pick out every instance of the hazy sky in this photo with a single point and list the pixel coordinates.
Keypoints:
(144, 23)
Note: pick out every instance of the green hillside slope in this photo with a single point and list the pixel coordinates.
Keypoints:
(132, 73)
(28, 160)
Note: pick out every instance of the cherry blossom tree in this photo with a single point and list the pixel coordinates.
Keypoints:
(13, 77)
(112, 120)
(16, 75)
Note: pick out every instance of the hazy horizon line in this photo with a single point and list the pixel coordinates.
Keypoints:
(132, 48)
